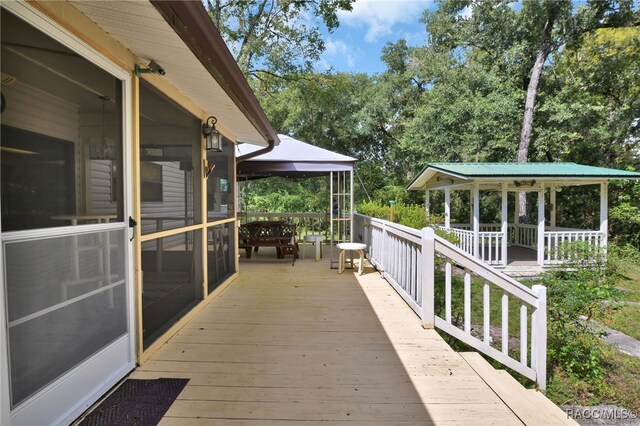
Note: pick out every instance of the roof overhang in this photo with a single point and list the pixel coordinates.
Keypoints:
(182, 38)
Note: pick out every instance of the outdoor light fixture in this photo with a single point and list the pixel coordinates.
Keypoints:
(442, 179)
(212, 136)
(152, 68)
(519, 183)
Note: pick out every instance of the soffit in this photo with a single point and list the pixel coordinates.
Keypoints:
(140, 28)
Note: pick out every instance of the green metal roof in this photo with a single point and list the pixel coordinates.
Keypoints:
(530, 169)
(519, 170)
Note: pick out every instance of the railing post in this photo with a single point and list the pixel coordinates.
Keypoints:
(428, 277)
(539, 337)
(383, 249)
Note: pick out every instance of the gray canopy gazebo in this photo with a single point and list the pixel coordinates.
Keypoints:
(293, 158)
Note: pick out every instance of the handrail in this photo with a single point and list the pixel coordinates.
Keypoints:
(418, 264)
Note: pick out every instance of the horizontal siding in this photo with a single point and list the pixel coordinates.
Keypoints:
(100, 188)
(35, 111)
(172, 205)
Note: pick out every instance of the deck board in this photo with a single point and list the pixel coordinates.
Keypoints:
(305, 344)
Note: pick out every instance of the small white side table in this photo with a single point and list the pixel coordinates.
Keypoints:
(351, 247)
(317, 241)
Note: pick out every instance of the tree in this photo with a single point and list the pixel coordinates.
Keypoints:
(272, 37)
(561, 25)
(518, 43)
(326, 110)
(591, 101)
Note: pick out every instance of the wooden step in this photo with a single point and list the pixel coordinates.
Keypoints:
(531, 407)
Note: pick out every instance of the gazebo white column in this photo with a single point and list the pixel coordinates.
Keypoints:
(540, 244)
(553, 207)
(447, 208)
(604, 210)
(505, 225)
(476, 220)
(516, 217)
(427, 206)
(471, 208)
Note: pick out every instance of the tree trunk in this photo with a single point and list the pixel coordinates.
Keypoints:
(214, 12)
(529, 106)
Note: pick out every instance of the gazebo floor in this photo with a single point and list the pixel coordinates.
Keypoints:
(521, 256)
(303, 343)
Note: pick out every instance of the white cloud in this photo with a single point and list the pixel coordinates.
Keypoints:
(336, 49)
(466, 12)
(415, 39)
(379, 16)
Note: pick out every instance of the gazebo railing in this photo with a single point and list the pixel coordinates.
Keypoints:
(526, 235)
(427, 272)
(464, 238)
(557, 250)
(491, 247)
(490, 237)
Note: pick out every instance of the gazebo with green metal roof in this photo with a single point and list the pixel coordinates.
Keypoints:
(513, 243)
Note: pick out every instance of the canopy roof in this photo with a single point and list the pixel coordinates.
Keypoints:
(440, 175)
(292, 158)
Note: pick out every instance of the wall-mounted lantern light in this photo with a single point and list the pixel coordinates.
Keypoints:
(212, 136)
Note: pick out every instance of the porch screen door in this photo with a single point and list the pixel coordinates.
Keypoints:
(66, 287)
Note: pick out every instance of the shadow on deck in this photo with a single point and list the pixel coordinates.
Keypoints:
(303, 343)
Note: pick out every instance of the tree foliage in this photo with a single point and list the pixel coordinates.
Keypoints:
(276, 38)
(461, 96)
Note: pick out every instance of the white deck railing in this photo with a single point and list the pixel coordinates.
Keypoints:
(426, 270)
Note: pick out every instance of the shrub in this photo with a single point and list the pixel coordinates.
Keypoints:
(577, 292)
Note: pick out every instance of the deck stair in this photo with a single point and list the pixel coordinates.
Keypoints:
(529, 405)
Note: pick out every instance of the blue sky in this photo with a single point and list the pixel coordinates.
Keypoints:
(357, 44)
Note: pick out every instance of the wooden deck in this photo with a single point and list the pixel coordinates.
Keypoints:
(304, 344)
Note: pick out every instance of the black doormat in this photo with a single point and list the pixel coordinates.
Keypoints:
(136, 402)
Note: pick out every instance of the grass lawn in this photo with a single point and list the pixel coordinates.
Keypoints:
(630, 283)
(626, 317)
